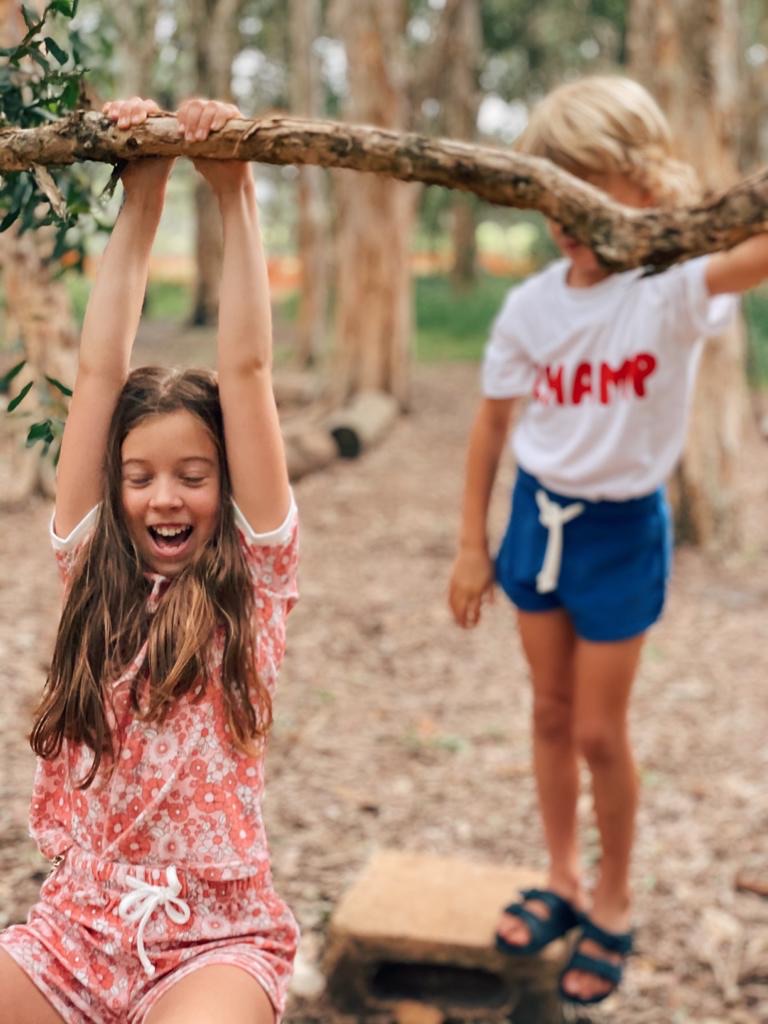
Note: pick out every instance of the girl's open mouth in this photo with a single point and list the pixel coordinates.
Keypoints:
(170, 540)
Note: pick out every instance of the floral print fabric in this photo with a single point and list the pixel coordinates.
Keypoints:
(180, 794)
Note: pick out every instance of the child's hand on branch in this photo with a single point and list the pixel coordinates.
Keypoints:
(198, 118)
(147, 173)
(471, 585)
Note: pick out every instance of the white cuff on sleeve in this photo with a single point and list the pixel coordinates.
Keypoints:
(274, 537)
(81, 531)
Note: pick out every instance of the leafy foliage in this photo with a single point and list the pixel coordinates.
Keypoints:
(42, 80)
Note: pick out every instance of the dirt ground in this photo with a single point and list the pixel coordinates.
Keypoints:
(396, 729)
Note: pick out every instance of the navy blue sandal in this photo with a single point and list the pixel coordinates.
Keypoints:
(611, 942)
(561, 919)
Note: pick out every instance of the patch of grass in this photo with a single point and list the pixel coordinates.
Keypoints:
(166, 300)
(449, 324)
(454, 324)
(756, 313)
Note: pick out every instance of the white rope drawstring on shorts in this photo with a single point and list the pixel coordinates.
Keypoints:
(553, 517)
(140, 904)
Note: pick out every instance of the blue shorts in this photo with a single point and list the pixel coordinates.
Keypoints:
(615, 557)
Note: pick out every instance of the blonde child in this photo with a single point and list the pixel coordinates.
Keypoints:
(606, 364)
(176, 535)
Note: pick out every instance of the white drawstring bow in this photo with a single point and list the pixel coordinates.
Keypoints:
(553, 517)
(140, 904)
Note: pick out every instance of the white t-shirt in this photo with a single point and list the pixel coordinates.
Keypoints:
(609, 373)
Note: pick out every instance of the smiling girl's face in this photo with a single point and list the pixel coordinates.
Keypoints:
(170, 489)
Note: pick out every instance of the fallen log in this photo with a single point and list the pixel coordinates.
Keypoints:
(309, 451)
(363, 422)
(622, 237)
(296, 388)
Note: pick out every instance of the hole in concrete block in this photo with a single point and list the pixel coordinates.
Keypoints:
(442, 984)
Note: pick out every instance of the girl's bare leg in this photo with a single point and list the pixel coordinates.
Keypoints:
(23, 1002)
(219, 992)
(549, 643)
(604, 676)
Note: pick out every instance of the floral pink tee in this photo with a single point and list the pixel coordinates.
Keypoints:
(181, 793)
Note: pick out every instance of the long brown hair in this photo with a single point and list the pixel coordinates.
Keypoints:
(105, 620)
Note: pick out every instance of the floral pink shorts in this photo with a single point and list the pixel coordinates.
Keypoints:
(106, 940)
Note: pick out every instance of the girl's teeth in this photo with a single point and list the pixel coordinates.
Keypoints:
(169, 531)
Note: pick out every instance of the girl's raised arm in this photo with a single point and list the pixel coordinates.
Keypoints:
(109, 328)
(255, 452)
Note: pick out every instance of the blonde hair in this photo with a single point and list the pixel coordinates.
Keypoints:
(607, 124)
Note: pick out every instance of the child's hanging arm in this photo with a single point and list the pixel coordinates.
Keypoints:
(255, 451)
(110, 324)
(472, 575)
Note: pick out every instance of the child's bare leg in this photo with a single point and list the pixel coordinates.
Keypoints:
(215, 993)
(23, 1002)
(604, 676)
(549, 644)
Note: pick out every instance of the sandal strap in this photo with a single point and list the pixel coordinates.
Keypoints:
(535, 924)
(592, 965)
(613, 942)
(555, 903)
(543, 930)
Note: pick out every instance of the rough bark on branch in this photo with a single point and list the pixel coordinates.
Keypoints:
(623, 238)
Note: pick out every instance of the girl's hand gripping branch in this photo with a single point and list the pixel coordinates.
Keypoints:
(110, 324)
(255, 453)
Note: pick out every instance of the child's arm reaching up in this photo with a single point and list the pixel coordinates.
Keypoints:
(255, 452)
(109, 328)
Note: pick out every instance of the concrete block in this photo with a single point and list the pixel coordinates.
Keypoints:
(418, 929)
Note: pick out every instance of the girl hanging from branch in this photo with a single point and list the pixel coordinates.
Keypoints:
(176, 535)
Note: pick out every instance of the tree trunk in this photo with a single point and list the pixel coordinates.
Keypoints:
(686, 52)
(136, 22)
(375, 216)
(462, 103)
(305, 25)
(214, 24)
(38, 315)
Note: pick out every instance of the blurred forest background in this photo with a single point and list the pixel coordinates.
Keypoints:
(393, 727)
(368, 274)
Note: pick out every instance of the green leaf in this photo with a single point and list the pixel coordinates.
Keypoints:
(9, 218)
(6, 379)
(53, 47)
(38, 57)
(15, 402)
(70, 93)
(61, 387)
(31, 19)
(40, 432)
(64, 7)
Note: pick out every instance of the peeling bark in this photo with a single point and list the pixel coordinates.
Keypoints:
(311, 222)
(622, 237)
(373, 322)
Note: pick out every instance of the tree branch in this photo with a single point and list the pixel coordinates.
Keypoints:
(622, 237)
